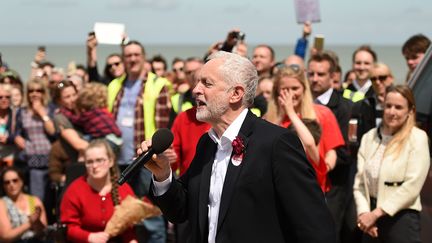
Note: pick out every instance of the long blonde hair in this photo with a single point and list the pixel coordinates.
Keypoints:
(275, 113)
(400, 138)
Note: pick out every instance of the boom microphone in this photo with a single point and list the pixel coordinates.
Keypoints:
(161, 141)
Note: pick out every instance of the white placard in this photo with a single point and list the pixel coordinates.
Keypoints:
(109, 33)
(307, 10)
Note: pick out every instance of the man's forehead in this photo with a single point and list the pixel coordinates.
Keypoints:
(210, 67)
(132, 48)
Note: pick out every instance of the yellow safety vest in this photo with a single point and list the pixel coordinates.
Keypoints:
(256, 111)
(152, 89)
(175, 100)
(354, 96)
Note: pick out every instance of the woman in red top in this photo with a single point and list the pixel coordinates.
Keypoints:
(291, 84)
(89, 201)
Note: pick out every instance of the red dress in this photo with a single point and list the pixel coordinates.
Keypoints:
(187, 131)
(331, 138)
(84, 211)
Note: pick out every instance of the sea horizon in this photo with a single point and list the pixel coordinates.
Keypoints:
(19, 56)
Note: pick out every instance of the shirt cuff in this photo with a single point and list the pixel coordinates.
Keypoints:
(161, 187)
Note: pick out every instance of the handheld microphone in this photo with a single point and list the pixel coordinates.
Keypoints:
(161, 141)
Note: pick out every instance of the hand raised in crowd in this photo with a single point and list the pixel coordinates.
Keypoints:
(307, 29)
(91, 50)
(159, 165)
(286, 101)
(99, 237)
(232, 37)
(214, 47)
(40, 56)
(91, 41)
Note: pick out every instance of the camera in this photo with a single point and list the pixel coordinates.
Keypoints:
(241, 36)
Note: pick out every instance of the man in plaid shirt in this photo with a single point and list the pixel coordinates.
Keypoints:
(128, 103)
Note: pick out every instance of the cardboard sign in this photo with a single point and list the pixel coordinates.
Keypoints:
(307, 10)
(109, 33)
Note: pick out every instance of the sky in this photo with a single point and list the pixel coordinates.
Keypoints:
(387, 22)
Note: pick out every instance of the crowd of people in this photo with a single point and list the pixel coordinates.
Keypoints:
(353, 172)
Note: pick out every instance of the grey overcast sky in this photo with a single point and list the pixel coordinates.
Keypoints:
(203, 21)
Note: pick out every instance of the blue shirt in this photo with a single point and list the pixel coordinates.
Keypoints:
(126, 119)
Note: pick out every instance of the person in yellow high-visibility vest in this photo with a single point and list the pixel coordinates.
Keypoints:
(140, 103)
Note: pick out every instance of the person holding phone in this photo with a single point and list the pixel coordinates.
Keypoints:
(22, 216)
(114, 67)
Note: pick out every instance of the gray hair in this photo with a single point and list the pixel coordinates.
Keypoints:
(238, 70)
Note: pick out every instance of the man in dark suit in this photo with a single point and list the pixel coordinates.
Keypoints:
(250, 180)
(321, 72)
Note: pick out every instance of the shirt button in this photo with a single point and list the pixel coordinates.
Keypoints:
(103, 198)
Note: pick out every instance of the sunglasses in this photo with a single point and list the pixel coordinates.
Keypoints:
(381, 78)
(64, 84)
(6, 97)
(13, 181)
(113, 64)
(36, 90)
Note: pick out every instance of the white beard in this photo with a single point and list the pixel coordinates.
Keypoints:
(212, 111)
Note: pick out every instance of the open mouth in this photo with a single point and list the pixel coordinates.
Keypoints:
(200, 103)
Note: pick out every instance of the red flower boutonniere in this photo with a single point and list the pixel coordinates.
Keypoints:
(238, 151)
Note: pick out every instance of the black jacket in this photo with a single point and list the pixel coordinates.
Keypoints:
(272, 196)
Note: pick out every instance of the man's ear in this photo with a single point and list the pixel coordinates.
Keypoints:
(333, 76)
(238, 93)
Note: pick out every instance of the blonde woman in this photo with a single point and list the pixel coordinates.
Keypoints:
(393, 162)
(35, 132)
(291, 90)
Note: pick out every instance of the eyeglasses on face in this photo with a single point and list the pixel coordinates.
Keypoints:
(381, 78)
(13, 181)
(97, 162)
(6, 97)
(294, 67)
(110, 65)
(36, 90)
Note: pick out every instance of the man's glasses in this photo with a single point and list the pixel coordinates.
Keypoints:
(97, 162)
(6, 97)
(13, 181)
(36, 90)
(381, 78)
(113, 64)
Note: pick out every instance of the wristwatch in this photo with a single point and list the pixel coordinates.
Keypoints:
(46, 118)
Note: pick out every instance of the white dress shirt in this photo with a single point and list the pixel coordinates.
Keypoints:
(324, 98)
(219, 169)
(365, 88)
